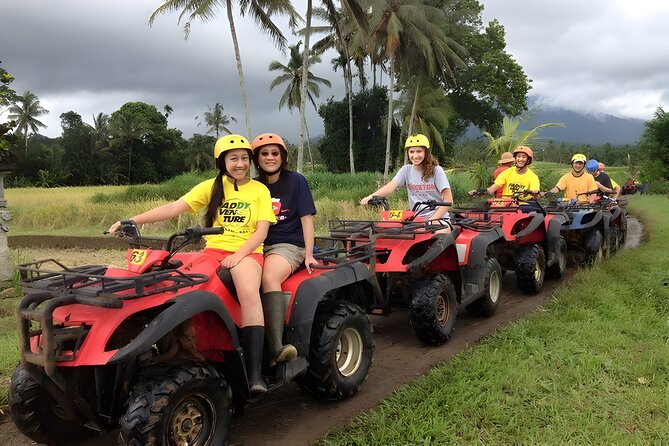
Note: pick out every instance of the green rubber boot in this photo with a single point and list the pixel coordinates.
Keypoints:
(274, 305)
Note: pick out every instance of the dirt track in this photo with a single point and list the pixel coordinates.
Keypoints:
(289, 416)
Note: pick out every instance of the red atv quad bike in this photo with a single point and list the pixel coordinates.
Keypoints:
(155, 348)
(429, 271)
(532, 246)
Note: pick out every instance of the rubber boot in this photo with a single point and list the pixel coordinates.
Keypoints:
(253, 340)
(274, 305)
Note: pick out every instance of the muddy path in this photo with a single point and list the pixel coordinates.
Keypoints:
(290, 416)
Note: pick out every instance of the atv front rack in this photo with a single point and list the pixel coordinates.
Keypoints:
(383, 229)
(92, 287)
(337, 252)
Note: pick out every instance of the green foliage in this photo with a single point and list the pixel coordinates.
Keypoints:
(369, 109)
(654, 146)
(169, 190)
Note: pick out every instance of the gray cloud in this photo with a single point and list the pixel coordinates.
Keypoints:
(600, 56)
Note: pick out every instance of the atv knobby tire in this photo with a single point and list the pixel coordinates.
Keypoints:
(594, 246)
(530, 267)
(340, 352)
(178, 404)
(433, 309)
(38, 416)
(487, 304)
(614, 239)
(557, 269)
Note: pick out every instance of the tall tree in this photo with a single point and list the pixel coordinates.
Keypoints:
(260, 10)
(412, 39)
(25, 112)
(216, 121)
(291, 74)
(355, 8)
(513, 136)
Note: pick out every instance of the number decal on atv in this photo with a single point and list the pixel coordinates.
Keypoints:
(395, 215)
(138, 256)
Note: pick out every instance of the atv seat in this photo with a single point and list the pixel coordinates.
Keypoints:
(226, 277)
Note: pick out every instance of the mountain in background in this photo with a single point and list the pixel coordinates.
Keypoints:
(582, 129)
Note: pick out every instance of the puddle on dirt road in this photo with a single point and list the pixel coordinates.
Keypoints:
(634, 232)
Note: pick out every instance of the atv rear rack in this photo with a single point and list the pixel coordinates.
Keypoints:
(92, 287)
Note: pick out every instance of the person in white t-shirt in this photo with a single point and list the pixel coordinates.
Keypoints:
(424, 179)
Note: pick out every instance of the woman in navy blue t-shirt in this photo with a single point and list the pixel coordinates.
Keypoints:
(290, 241)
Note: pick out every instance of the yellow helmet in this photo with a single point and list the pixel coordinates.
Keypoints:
(579, 157)
(231, 142)
(417, 140)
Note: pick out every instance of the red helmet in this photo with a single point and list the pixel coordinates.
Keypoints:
(526, 150)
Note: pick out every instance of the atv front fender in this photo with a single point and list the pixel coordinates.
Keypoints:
(313, 291)
(181, 309)
(585, 219)
(440, 244)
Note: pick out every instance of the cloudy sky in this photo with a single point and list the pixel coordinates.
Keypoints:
(595, 56)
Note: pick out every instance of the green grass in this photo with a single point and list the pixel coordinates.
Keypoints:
(592, 368)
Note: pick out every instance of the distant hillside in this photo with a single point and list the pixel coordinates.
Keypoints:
(583, 129)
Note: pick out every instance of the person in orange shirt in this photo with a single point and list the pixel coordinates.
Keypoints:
(577, 183)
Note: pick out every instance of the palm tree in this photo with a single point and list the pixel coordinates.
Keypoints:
(168, 110)
(412, 38)
(512, 137)
(101, 127)
(292, 75)
(126, 131)
(426, 112)
(260, 11)
(216, 120)
(341, 31)
(25, 112)
(354, 6)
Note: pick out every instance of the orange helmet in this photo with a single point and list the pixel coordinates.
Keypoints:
(526, 150)
(267, 138)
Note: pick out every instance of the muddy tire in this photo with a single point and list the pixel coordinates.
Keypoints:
(614, 239)
(38, 416)
(594, 247)
(487, 304)
(180, 404)
(340, 353)
(433, 309)
(530, 267)
(557, 270)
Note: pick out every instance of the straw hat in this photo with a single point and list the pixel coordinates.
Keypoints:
(507, 157)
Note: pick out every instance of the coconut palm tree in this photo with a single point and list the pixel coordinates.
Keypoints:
(25, 112)
(216, 120)
(101, 127)
(342, 33)
(260, 10)
(292, 75)
(355, 8)
(411, 36)
(427, 112)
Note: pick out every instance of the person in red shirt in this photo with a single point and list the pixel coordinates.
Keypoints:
(505, 161)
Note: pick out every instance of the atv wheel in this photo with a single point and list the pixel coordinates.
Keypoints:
(38, 416)
(556, 270)
(594, 246)
(433, 309)
(177, 405)
(530, 267)
(340, 354)
(487, 304)
(614, 239)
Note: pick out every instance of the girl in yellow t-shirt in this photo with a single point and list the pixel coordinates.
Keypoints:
(244, 208)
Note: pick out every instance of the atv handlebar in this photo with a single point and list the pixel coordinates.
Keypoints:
(378, 200)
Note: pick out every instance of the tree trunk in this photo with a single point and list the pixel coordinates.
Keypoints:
(390, 119)
(240, 71)
(303, 89)
(413, 109)
(311, 157)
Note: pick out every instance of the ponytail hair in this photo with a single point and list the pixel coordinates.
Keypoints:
(217, 195)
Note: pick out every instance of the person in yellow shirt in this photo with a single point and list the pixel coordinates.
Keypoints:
(577, 183)
(518, 178)
(616, 187)
(244, 208)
